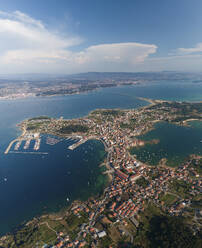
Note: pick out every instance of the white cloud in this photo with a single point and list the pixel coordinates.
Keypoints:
(113, 57)
(22, 17)
(187, 62)
(117, 52)
(196, 49)
(24, 39)
(27, 45)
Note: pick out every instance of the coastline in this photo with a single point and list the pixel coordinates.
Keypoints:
(152, 102)
(150, 140)
(63, 210)
(31, 95)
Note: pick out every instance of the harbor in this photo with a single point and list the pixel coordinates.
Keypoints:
(27, 138)
(45, 169)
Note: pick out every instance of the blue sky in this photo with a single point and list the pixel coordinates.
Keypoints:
(70, 36)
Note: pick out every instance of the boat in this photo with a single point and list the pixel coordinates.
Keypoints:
(52, 141)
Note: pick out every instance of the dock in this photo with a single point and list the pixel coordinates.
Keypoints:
(26, 146)
(75, 145)
(27, 143)
(83, 140)
(10, 145)
(17, 145)
(37, 144)
(39, 153)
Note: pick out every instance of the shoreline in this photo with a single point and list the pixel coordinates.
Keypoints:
(152, 102)
(31, 95)
(63, 210)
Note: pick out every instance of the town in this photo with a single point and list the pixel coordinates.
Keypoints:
(134, 188)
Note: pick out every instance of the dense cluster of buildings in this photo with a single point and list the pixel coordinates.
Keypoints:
(133, 183)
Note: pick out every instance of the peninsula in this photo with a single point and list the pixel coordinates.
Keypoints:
(139, 196)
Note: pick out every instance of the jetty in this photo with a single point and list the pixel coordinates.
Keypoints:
(83, 140)
(27, 140)
(75, 145)
(10, 145)
(39, 153)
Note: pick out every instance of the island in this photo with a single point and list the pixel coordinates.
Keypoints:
(143, 205)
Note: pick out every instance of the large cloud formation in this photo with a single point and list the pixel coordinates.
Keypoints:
(25, 39)
(27, 45)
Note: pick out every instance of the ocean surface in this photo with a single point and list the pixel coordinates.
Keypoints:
(176, 143)
(32, 184)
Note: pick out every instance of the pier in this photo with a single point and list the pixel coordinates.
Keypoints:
(10, 145)
(17, 145)
(37, 144)
(82, 141)
(39, 153)
(26, 146)
(74, 146)
(27, 143)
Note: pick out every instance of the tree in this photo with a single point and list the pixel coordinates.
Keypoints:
(171, 232)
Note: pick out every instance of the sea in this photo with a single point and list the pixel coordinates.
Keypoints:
(34, 184)
(175, 145)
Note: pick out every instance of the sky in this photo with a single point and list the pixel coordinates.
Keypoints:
(73, 36)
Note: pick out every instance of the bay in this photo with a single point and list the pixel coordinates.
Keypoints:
(176, 143)
(38, 183)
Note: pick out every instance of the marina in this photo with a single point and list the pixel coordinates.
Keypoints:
(52, 141)
(27, 143)
(46, 169)
(37, 144)
(17, 145)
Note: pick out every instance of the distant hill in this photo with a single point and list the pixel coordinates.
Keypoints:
(94, 76)
(136, 75)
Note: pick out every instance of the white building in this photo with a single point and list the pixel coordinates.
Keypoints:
(101, 234)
